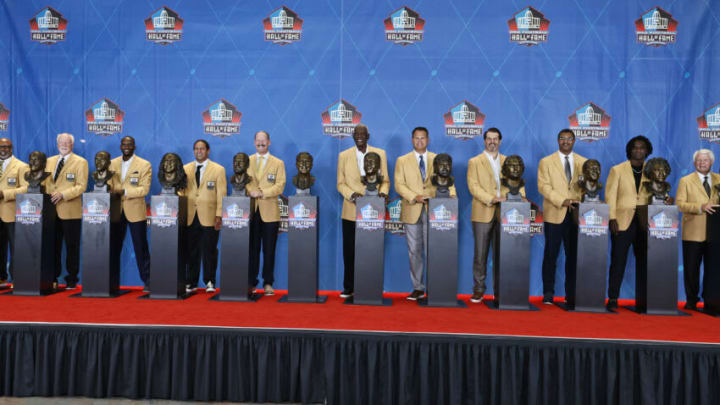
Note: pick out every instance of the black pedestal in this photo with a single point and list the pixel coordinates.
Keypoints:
(34, 256)
(167, 246)
(711, 278)
(511, 277)
(101, 269)
(442, 253)
(656, 284)
(302, 250)
(235, 249)
(591, 275)
(369, 251)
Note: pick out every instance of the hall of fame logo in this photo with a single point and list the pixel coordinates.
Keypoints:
(656, 27)
(4, 117)
(404, 26)
(591, 223)
(221, 119)
(590, 123)
(163, 215)
(284, 213)
(163, 27)
(528, 27)
(104, 118)
(663, 226)
(340, 119)
(514, 223)
(370, 219)
(708, 124)
(28, 212)
(393, 224)
(442, 219)
(95, 211)
(302, 217)
(48, 26)
(234, 217)
(283, 26)
(464, 121)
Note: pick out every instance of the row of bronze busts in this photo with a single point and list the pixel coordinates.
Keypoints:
(173, 178)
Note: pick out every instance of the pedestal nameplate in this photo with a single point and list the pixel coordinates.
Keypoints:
(34, 256)
(100, 264)
(369, 251)
(592, 219)
(302, 249)
(442, 252)
(511, 277)
(656, 283)
(167, 246)
(711, 277)
(235, 249)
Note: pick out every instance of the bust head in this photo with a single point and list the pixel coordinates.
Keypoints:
(102, 161)
(657, 169)
(513, 168)
(442, 173)
(171, 173)
(371, 163)
(241, 162)
(304, 162)
(591, 170)
(37, 161)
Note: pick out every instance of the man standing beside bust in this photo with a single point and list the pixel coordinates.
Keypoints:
(66, 184)
(12, 182)
(350, 169)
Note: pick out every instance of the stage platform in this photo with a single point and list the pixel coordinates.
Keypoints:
(198, 349)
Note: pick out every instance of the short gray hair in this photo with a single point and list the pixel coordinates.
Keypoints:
(72, 138)
(708, 152)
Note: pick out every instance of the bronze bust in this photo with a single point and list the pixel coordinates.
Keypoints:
(303, 180)
(102, 175)
(589, 181)
(512, 171)
(442, 177)
(37, 174)
(372, 177)
(656, 170)
(240, 178)
(171, 174)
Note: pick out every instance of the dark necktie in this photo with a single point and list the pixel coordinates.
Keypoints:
(197, 175)
(706, 186)
(59, 168)
(422, 167)
(568, 172)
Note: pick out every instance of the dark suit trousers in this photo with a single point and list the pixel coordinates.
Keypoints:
(693, 255)
(138, 233)
(619, 247)
(202, 244)
(565, 233)
(348, 233)
(68, 230)
(262, 235)
(7, 237)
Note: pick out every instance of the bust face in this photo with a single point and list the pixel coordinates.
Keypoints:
(102, 161)
(37, 161)
(371, 163)
(659, 173)
(241, 162)
(443, 167)
(513, 168)
(169, 164)
(591, 171)
(304, 163)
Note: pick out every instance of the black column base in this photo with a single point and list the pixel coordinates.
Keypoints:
(113, 294)
(386, 302)
(320, 299)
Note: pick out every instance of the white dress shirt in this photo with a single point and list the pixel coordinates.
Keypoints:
(360, 160)
(125, 166)
(495, 163)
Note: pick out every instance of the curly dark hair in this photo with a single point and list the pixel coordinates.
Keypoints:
(629, 146)
(507, 162)
(442, 157)
(181, 179)
(650, 165)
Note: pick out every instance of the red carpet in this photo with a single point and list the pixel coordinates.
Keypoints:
(402, 316)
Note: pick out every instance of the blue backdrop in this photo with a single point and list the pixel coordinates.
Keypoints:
(591, 55)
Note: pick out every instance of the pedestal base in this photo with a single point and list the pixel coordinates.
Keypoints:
(442, 253)
(320, 299)
(100, 260)
(302, 249)
(383, 302)
(235, 249)
(512, 256)
(369, 251)
(167, 247)
(34, 256)
(592, 267)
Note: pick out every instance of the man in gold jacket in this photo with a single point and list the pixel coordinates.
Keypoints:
(65, 185)
(131, 181)
(557, 176)
(12, 182)
(268, 182)
(205, 190)
(412, 181)
(350, 169)
(696, 197)
(483, 178)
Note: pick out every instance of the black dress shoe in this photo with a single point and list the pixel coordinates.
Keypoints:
(612, 303)
(548, 300)
(691, 305)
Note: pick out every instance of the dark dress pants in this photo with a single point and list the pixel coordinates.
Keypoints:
(7, 238)
(566, 233)
(138, 233)
(693, 255)
(348, 233)
(68, 230)
(619, 248)
(201, 244)
(263, 235)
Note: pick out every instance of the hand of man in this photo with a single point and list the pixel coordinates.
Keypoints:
(709, 208)
(420, 198)
(496, 200)
(355, 196)
(118, 191)
(385, 196)
(569, 204)
(218, 223)
(56, 197)
(670, 201)
(614, 229)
